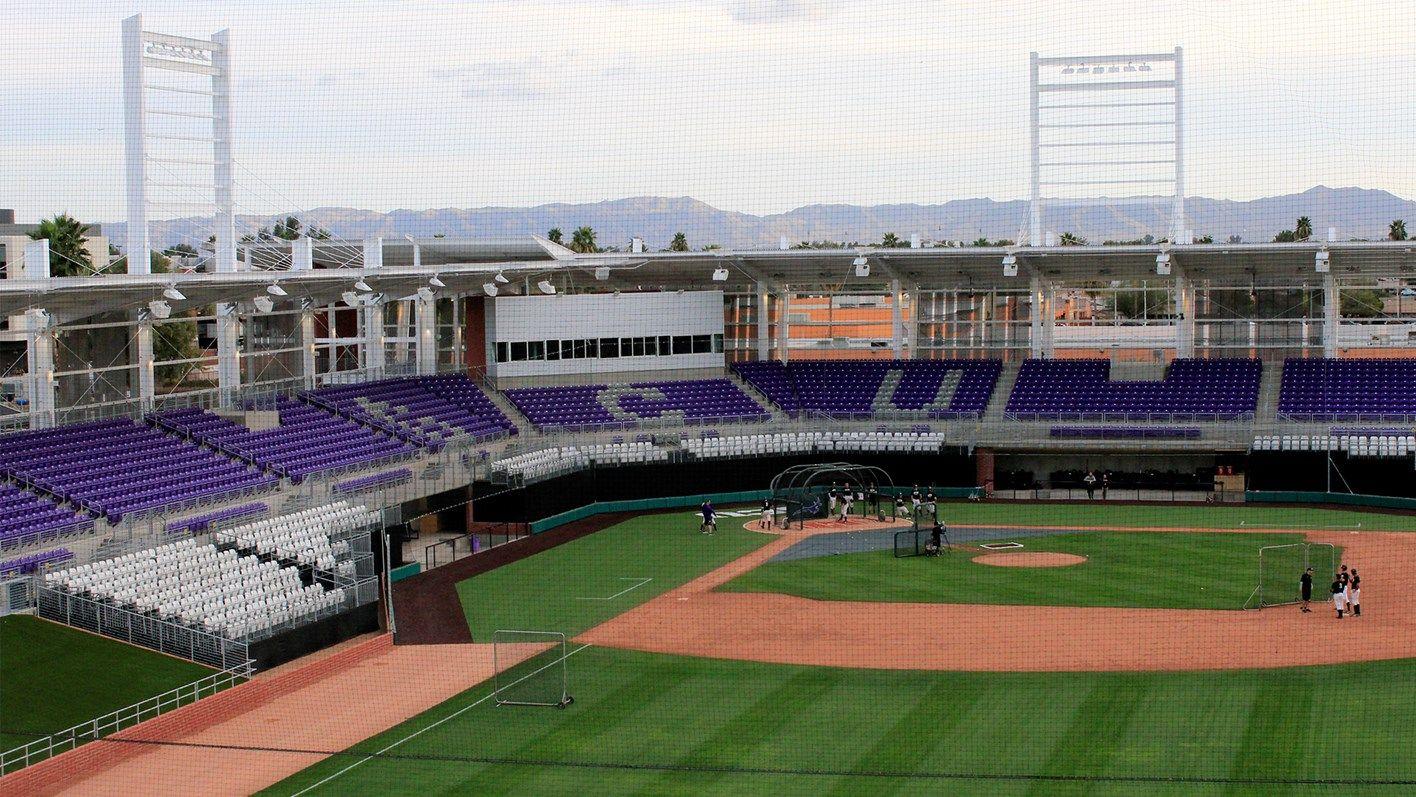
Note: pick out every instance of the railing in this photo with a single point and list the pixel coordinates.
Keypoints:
(653, 423)
(75, 529)
(1154, 493)
(144, 630)
(471, 542)
(126, 717)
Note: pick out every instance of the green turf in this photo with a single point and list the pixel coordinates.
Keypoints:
(1172, 569)
(53, 677)
(568, 588)
(651, 724)
(1081, 513)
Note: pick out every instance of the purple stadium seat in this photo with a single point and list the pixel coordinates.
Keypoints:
(625, 406)
(1329, 389)
(859, 388)
(1192, 388)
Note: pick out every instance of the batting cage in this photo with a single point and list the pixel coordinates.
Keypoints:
(823, 490)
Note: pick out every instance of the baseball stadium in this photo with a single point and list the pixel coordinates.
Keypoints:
(294, 502)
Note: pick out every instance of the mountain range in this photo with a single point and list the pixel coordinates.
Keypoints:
(1354, 213)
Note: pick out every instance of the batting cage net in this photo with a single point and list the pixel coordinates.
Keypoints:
(530, 669)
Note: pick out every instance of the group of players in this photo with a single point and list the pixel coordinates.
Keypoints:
(1346, 591)
(840, 500)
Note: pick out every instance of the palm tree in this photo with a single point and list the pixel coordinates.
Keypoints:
(891, 241)
(554, 235)
(1071, 239)
(679, 243)
(67, 255)
(1285, 237)
(1303, 229)
(980, 241)
(583, 240)
(1397, 231)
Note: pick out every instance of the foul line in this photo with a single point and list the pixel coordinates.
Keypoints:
(640, 582)
(1313, 526)
(421, 731)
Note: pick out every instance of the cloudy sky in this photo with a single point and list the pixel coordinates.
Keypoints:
(747, 105)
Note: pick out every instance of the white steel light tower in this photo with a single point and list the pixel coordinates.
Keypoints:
(1107, 122)
(178, 140)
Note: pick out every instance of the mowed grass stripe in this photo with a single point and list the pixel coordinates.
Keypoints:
(771, 726)
(53, 677)
(544, 591)
(1179, 570)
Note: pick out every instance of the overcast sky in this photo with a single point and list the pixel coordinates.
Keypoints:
(751, 106)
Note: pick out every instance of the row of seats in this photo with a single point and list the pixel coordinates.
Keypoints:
(119, 466)
(220, 592)
(428, 409)
(626, 406)
(810, 442)
(1192, 388)
(1126, 432)
(552, 461)
(302, 537)
(35, 562)
(1333, 389)
(27, 516)
(1353, 445)
(931, 388)
(307, 441)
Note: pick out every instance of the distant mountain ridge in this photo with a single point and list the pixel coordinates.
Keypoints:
(1354, 212)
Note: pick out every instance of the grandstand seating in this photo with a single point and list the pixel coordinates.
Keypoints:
(871, 388)
(34, 562)
(626, 406)
(738, 446)
(119, 466)
(1389, 445)
(427, 408)
(218, 591)
(1126, 432)
(303, 537)
(308, 439)
(549, 462)
(1328, 389)
(26, 516)
(1192, 388)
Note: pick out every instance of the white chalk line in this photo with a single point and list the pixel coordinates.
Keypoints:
(640, 582)
(427, 728)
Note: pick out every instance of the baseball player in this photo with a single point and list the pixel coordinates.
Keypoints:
(1354, 594)
(766, 521)
(915, 497)
(1339, 595)
(1305, 582)
(831, 501)
(710, 518)
(845, 506)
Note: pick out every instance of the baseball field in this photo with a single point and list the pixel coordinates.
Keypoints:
(817, 662)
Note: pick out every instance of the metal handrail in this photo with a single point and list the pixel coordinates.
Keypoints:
(114, 721)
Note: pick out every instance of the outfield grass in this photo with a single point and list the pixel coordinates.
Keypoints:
(53, 677)
(585, 582)
(652, 724)
(1177, 570)
(1081, 513)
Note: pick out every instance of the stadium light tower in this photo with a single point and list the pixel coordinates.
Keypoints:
(1105, 122)
(178, 138)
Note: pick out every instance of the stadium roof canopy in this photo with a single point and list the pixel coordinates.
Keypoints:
(464, 265)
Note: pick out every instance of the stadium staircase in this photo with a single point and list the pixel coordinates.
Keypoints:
(1266, 414)
(767, 404)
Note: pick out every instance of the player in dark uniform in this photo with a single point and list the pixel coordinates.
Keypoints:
(765, 522)
(1306, 583)
(1354, 594)
(710, 518)
(1338, 595)
(872, 500)
(936, 538)
(899, 507)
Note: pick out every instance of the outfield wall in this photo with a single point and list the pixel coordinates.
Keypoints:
(690, 481)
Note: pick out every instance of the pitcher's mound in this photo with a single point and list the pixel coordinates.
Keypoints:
(1030, 559)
